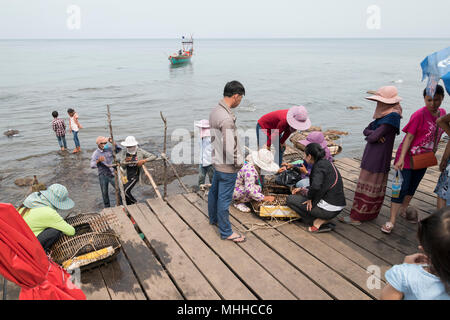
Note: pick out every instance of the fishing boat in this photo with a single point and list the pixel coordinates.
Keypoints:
(184, 55)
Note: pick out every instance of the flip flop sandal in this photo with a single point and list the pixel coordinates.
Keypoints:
(329, 224)
(234, 238)
(241, 207)
(387, 227)
(349, 221)
(323, 228)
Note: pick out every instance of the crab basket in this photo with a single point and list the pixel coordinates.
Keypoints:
(270, 187)
(276, 209)
(94, 243)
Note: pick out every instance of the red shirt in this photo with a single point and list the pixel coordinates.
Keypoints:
(276, 120)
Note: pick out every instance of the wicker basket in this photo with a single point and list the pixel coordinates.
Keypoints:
(270, 187)
(93, 232)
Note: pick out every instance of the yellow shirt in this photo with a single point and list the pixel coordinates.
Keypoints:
(39, 219)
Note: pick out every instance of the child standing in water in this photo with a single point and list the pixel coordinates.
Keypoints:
(74, 127)
(60, 129)
(424, 276)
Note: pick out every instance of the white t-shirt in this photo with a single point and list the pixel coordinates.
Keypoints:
(205, 151)
(329, 207)
(72, 122)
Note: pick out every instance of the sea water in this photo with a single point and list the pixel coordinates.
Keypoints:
(135, 79)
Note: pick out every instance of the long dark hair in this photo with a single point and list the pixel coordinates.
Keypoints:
(434, 237)
(315, 150)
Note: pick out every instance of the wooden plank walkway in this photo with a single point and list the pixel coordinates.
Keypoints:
(183, 257)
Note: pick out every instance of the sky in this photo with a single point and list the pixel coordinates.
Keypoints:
(100, 19)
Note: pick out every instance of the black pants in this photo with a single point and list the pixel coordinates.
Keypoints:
(48, 237)
(295, 202)
(127, 189)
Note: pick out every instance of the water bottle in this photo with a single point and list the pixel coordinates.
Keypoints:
(396, 186)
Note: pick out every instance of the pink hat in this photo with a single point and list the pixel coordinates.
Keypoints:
(297, 118)
(100, 140)
(204, 128)
(388, 95)
(315, 137)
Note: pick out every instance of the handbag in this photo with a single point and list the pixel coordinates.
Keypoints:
(427, 159)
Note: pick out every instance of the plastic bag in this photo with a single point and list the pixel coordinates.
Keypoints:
(397, 184)
(288, 178)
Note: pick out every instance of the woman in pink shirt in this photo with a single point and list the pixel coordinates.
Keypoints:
(422, 134)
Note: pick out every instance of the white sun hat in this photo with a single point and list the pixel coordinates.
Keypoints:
(130, 141)
(264, 160)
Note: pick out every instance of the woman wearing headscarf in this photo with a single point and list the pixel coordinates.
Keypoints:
(376, 161)
(39, 212)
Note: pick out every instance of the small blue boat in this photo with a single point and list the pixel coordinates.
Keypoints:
(184, 55)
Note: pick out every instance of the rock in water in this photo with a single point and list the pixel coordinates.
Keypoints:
(354, 108)
(10, 132)
(24, 182)
(313, 128)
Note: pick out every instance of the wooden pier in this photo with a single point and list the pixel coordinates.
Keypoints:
(183, 257)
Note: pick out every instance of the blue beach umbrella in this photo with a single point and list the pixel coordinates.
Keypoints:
(434, 67)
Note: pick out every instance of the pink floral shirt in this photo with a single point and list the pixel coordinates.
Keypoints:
(422, 125)
(247, 185)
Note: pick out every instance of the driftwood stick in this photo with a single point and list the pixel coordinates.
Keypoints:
(175, 171)
(149, 176)
(117, 178)
(164, 151)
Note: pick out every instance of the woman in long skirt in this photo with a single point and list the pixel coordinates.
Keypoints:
(380, 135)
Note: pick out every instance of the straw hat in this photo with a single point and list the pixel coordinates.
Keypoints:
(56, 194)
(388, 95)
(130, 141)
(101, 139)
(264, 160)
(297, 118)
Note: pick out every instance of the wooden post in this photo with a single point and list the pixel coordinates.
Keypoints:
(176, 173)
(164, 151)
(117, 178)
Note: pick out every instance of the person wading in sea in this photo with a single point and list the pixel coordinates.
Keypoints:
(102, 159)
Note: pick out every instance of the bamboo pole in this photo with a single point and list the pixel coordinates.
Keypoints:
(149, 176)
(117, 178)
(164, 152)
(176, 173)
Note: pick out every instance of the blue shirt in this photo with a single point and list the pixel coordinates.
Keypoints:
(102, 167)
(415, 283)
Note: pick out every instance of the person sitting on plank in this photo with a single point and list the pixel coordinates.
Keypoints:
(325, 197)
(39, 212)
(248, 184)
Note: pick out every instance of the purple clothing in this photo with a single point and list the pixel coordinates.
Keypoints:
(102, 167)
(247, 186)
(377, 156)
